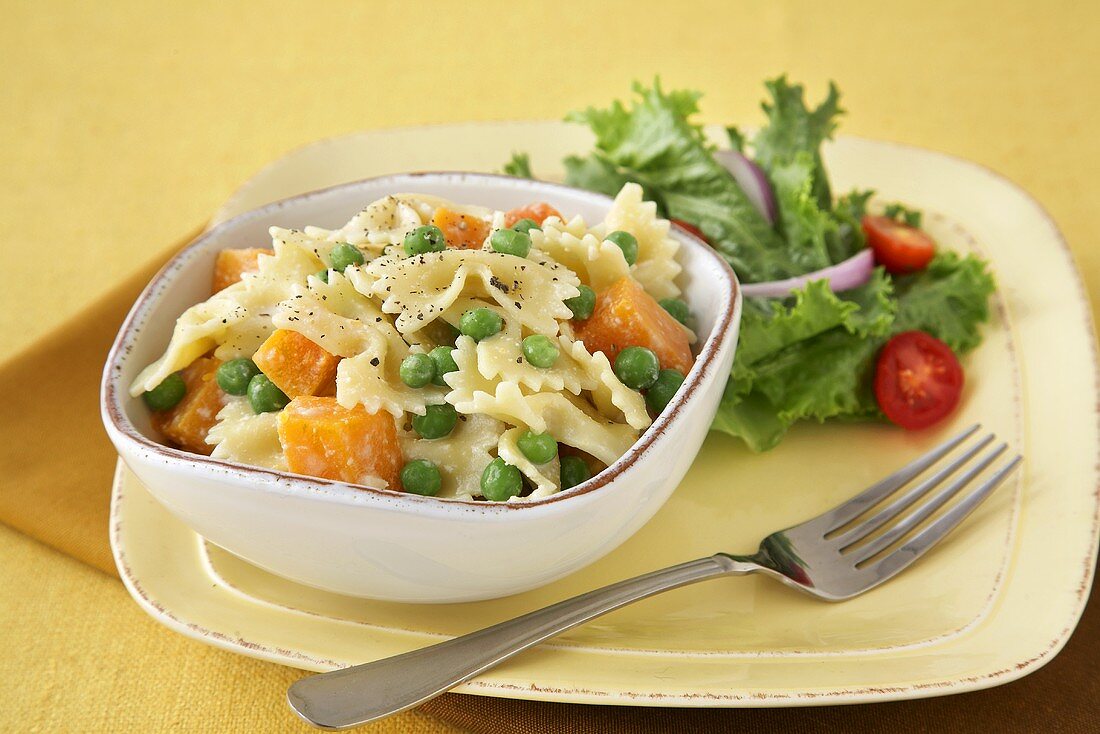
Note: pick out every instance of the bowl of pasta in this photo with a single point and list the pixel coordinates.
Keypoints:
(431, 387)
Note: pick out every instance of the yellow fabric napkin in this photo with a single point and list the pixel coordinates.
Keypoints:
(55, 455)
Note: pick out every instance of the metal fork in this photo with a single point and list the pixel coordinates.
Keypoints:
(830, 557)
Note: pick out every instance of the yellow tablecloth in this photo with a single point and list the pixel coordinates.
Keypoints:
(124, 125)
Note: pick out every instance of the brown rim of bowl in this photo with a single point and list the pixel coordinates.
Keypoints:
(112, 408)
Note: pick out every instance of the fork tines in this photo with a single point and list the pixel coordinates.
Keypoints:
(929, 494)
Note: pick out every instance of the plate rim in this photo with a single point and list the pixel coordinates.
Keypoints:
(533, 692)
(1000, 676)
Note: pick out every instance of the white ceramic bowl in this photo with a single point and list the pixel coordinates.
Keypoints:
(390, 545)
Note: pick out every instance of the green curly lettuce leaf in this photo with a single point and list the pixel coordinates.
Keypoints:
(904, 214)
(793, 128)
(807, 227)
(655, 144)
(813, 357)
(596, 173)
(519, 165)
(848, 239)
(949, 299)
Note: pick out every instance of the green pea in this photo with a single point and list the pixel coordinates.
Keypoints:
(539, 448)
(428, 238)
(417, 370)
(233, 376)
(540, 350)
(677, 309)
(574, 471)
(421, 476)
(437, 422)
(637, 367)
(510, 242)
(526, 225)
(444, 363)
(661, 392)
(500, 480)
(626, 242)
(582, 305)
(344, 256)
(167, 394)
(323, 275)
(480, 323)
(264, 395)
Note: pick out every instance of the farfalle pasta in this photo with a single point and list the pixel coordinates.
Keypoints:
(656, 268)
(430, 347)
(417, 290)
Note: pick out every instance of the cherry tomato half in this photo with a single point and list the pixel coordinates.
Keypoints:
(691, 228)
(898, 247)
(918, 380)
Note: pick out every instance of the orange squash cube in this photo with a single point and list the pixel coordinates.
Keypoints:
(538, 211)
(463, 231)
(232, 264)
(296, 365)
(627, 316)
(321, 438)
(187, 424)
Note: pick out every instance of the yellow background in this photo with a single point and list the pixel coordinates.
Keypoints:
(124, 125)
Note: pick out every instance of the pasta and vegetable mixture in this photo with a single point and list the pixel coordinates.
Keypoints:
(434, 348)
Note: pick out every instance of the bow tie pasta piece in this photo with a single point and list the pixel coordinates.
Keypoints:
(419, 289)
(338, 317)
(430, 203)
(351, 325)
(461, 457)
(385, 222)
(599, 263)
(656, 268)
(576, 227)
(375, 384)
(318, 242)
(382, 223)
(546, 477)
(569, 419)
(237, 319)
(500, 358)
(242, 436)
(610, 396)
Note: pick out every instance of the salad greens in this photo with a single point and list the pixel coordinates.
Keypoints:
(793, 130)
(810, 356)
(902, 213)
(655, 145)
(519, 166)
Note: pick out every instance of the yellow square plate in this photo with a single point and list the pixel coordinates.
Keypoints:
(996, 601)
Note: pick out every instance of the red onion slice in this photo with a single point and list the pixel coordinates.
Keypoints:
(852, 273)
(750, 177)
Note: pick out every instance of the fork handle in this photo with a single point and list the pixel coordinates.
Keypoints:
(362, 693)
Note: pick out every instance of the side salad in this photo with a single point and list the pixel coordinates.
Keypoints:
(850, 314)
